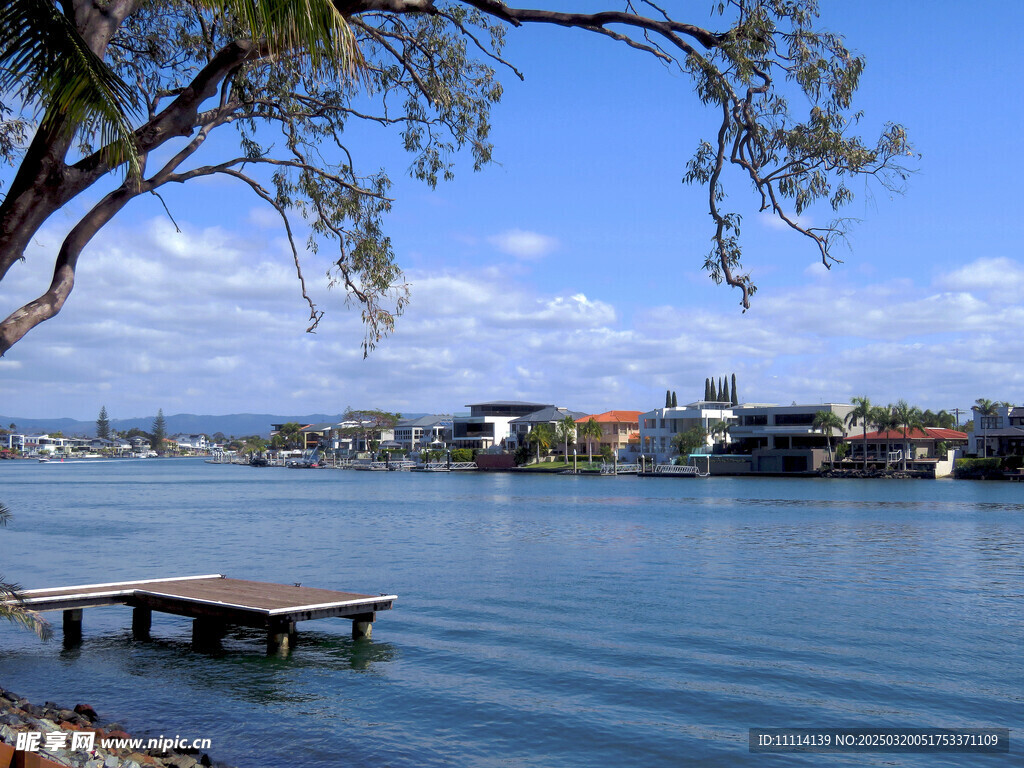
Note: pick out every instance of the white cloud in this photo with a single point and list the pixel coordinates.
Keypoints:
(1000, 275)
(224, 333)
(523, 244)
(771, 221)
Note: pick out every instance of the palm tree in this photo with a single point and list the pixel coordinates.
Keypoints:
(986, 408)
(907, 417)
(11, 606)
(566, 431)
(861, 412)
(542, 436)
(590, 431)
(884, 421)
(828, 422)
(718, 429)
(46, 61)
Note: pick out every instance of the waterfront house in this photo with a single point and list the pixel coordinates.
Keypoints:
(487, 424)
(782, 438)
(1001, 434)
(620, 431)
(424, 432)
(922, 446)
(658, 427)
(520, 428)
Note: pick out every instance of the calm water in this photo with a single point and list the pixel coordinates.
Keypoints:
(541, 621)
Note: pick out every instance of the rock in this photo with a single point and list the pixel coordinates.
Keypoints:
(117, 734)
(130, 764)
(93, 764)
(9, 720)
(181, 761)
(66, 714)
(205, 760)
(87, 711)
(111, 762)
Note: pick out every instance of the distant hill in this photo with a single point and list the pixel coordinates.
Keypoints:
(237, 424)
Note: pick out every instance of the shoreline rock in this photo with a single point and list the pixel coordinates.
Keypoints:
(18, 714)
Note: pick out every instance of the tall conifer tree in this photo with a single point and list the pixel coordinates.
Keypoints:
(159, 432)
(675, 402)
(103, 424)
(735, 398)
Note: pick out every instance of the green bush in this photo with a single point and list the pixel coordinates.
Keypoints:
(462, 454)
(979, 468)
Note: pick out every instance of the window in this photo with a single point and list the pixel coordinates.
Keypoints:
(794, 419)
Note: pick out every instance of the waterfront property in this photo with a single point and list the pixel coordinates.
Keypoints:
(620, 432)
(487, 424)
(922, 447)
(999, 434)
(658, 427)
(424, 432)
(520, 428)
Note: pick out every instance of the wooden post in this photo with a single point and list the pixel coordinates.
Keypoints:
(281, 636)
(362, 626)
(142, 620)
(207, 632)
(73, 626)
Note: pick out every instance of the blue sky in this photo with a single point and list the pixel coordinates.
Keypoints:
(569, 272)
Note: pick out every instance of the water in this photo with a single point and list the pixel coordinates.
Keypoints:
(541, 621)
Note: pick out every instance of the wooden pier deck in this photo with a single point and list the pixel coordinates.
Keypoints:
(213, 601)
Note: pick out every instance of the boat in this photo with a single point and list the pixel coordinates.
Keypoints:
(43, 460)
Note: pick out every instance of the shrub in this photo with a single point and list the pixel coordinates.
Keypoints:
(462, 454)
(978, 468)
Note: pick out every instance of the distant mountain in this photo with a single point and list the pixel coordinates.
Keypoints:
(236, 424)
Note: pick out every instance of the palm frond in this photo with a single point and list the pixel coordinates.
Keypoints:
(13, 609)
(315, 27)
(44, 60)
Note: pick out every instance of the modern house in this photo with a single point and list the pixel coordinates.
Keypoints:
(620, 431)
(520, 428)
(658, 427)
(192, 442)
(487, 424)
(999, 435)
(424, 432)
(782, 438)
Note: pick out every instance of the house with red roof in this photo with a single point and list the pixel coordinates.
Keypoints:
(921, 446)
(620, 430)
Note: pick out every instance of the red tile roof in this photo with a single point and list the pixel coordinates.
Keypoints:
(629, 417)
(928, 433)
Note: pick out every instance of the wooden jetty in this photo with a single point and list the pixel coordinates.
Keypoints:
(213, 602)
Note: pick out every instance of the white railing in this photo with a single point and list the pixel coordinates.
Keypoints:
(675, 469)
(620, 469)
(895, 456)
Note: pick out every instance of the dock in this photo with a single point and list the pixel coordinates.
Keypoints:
(213, 602)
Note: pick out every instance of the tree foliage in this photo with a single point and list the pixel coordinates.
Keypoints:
(158, 432)
(130, 92)
(103, 424)
(12, 607)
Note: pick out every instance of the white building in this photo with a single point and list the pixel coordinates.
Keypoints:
(424, 432)
(487, 424)
(658, 427)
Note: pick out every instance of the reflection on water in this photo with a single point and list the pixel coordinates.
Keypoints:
(541, 621)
